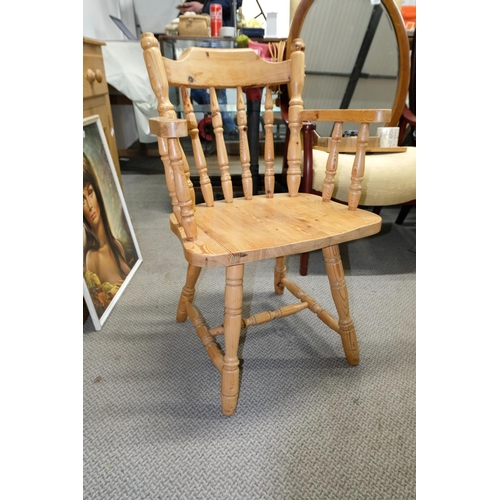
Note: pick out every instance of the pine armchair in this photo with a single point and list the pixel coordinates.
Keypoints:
(235, 231)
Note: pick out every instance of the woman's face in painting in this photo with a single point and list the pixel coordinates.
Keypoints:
(91, 210)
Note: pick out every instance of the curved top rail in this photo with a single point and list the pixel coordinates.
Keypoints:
(401, 38)
(200, 67)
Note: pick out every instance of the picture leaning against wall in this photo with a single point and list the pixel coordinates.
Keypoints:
(111, 254)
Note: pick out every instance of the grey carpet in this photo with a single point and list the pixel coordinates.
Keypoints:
(307, 425)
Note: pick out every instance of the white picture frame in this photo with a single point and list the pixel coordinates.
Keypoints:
(111, 254)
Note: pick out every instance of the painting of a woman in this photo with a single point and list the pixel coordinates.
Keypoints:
(109, 253)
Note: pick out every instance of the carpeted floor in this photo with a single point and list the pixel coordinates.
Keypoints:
(307, 425)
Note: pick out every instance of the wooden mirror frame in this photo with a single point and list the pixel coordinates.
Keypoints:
(403, 49)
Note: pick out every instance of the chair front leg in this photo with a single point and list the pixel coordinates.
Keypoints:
(338, 288)
(233, 301)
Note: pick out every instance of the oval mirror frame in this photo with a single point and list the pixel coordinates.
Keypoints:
(403, 50)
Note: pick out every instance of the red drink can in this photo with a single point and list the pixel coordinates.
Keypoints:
(215, 19)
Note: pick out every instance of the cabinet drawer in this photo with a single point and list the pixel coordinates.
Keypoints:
(94, 78)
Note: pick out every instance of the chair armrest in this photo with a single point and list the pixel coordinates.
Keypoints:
(362, 116)
(167, 127)
(347, 115)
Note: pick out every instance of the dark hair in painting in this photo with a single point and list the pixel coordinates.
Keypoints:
(91, 240)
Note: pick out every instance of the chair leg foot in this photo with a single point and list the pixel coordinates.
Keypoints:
(187, 293)
(340, 297)
(349, 342)
(233, 301)
(229, 390)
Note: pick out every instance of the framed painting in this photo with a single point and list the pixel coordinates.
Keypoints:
(111, 254)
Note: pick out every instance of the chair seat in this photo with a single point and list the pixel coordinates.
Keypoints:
(391, 177)
(261, 228)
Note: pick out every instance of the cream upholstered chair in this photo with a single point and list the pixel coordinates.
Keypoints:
(390, 178)
(358, 56)
(235, 231)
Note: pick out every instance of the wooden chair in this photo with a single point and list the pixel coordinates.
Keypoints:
(372, 40)
(232, 232)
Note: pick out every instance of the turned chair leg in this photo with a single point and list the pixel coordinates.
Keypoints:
(338, 288)
(233, 301)
(187, 294)
(279, 274)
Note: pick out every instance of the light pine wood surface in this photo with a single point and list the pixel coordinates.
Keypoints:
(249, 230)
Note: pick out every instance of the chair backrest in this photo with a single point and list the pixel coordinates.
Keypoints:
(358, 56)
(216, 69)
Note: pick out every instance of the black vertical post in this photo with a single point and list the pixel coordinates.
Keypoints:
(253, 119)
(363, 52)
(235, 18)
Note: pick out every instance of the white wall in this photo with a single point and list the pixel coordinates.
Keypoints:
(154, 15)
(97, 23)
(250, 10)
